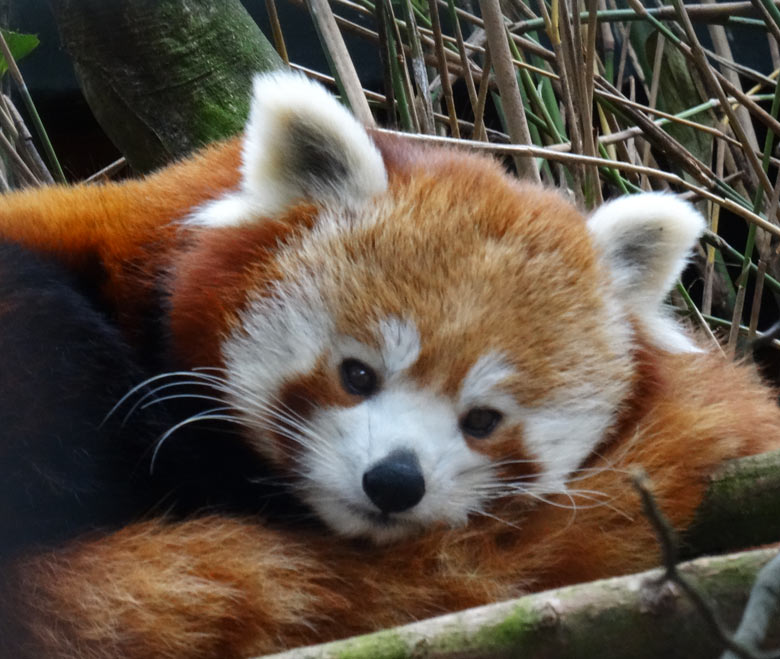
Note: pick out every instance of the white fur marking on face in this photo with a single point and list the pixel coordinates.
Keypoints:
(562, 436)
(282, 336)
(483, 380)
(645, 240)
(400, 344)
(574, 421)
(354, 438)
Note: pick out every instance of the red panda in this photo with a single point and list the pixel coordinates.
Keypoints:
(451, 368)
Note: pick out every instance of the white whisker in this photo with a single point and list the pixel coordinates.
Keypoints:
(137, 388)
(206, 415)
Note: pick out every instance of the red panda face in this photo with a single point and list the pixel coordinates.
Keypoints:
(439, 336)
(427, 351)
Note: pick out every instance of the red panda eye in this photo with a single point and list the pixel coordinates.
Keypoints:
(358, 378)
(480, 421)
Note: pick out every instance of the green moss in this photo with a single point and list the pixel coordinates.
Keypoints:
(510, 631)
(391, 644)
(740, 508)
(382, 645)
(167, 77)
(218, 120)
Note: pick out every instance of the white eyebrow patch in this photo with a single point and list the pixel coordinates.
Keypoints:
(400, 343)
(484, 378)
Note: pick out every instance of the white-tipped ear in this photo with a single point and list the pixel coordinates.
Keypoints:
(300, 144)
(645, 240)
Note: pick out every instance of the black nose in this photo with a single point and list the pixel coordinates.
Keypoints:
(395, 483)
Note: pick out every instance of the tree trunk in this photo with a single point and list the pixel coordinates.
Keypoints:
(164, 77)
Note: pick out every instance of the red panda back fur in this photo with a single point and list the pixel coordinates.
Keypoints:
(123, 228)
(216, 586)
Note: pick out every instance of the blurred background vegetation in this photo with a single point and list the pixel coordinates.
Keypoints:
(604, 97)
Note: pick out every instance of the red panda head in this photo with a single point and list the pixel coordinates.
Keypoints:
(411, 332)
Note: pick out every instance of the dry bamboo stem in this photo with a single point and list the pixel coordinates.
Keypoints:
(342, 62)
(507, 85)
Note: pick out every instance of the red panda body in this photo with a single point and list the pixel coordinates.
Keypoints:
(454, 370)
(121, 234)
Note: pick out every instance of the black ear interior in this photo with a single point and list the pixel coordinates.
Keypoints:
(317, 162)
(638, 250)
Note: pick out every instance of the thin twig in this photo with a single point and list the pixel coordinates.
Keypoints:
(25, 144)
(657, 68)
(704, 13)
(541, 152)
(418, 69)
(276, 30)
(762, 609)
(467, 75)
(668, 542)
(443, 72)
(108, 171)
(16, 160)
(717, 83)
(479, 111)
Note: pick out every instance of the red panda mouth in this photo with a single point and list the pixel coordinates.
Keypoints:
(377, 518)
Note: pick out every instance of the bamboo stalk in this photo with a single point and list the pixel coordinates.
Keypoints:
(443, 71)
(507, 84)
(344, 69)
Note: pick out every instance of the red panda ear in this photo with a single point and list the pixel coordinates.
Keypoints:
(645, 240)
(300, 145)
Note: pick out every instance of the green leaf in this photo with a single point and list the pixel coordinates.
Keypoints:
(19, 44)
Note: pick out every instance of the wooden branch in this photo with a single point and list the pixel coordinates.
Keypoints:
(741, 507)
(651, 618)
(632, 616)
(164, 77)
(669, 543)
(761, 611)
(343, 67)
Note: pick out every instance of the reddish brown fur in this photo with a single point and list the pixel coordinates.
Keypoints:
(212, 278)
(230, 588)
(320, 388)
(125, 229)
(481, 206)
(220, 587)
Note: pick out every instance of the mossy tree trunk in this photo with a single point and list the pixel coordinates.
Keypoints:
(164, 77)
